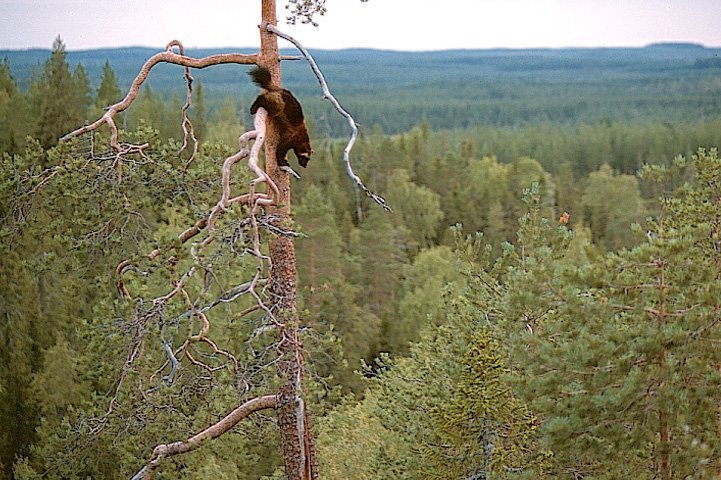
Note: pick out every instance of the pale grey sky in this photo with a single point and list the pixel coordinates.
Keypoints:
(386, 24)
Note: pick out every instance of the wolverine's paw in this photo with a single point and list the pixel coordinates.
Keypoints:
(287, 168)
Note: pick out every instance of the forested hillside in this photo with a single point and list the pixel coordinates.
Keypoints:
(543, 301)
(452, 89)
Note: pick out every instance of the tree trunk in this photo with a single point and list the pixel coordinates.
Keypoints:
(293, 420)
(664, 460)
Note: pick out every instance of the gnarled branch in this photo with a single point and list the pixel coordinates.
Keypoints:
(255, 199)
(168, 56)
(166, 450)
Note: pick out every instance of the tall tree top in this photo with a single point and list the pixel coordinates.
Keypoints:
(58, 45)
(108, 91)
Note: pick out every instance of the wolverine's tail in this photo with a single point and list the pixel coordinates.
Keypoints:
(261, 77)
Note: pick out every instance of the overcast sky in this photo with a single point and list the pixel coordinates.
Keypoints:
(386, 24)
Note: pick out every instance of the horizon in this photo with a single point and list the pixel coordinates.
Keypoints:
(670, 44)
(400, 25)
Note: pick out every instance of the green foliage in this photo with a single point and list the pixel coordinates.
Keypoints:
(596, 345)
(621, 364)
(21, 340)
(421, 296)
(14, 118)
(23, 471)
(459, 89)
(612, 203)
(484, 430)
(415, 205)
(108, 92)
(200, 122)
(149, 110)
(416, 415)
(59, 100)
(81, 90)
(66, 334)
(382, 250)
(224, 124)
(353, 443)
(333, 304)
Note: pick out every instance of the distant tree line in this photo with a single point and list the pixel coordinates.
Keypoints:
(452, 89)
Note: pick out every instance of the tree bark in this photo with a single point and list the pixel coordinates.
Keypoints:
(664, 463)
(293, 420)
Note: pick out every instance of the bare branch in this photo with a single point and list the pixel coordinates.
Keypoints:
(351, 121)
(187, 126)
(166, 450)
(168, 56)
(253, 198)
(254, 287)
(198, 350)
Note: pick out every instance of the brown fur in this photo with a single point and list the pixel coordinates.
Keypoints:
(285, 112)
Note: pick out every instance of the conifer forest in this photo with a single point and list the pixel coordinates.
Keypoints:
(541, 298)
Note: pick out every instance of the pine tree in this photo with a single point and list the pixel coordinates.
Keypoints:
(224, 124)
(620, 361)
(486, 187)
(611, 203)
(59, 100)
(18, 360)
(62, 351)
(420, 300)
(417, 208)
(82, 92)
(108, 92)
(14, 115)
(171, 127)
(149, 110)
(332, 302)
(382, 250)
(200, 121)
(484, 431)
(445, 411)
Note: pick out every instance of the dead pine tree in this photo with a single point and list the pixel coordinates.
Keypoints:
(272, 288)
(293, 420)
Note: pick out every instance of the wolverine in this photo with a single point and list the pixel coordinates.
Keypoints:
(285, 112)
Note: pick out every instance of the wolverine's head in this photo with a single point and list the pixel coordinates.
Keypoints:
(304, 158)
(303, 152)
